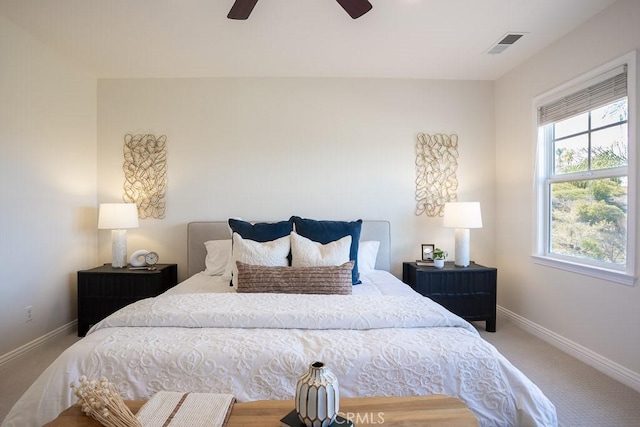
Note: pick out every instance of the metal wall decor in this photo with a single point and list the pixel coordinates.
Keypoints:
(436, 165)
(145, 173)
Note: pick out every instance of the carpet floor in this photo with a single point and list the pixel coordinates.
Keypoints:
(583, 396)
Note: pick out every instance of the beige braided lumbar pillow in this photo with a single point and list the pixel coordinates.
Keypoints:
(295, 280)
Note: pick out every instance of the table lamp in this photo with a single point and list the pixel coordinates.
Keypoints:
(462, 216)
(117, 217)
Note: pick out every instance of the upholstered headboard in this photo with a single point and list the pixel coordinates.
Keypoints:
(200, 232)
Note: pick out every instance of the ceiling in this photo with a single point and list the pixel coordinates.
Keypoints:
(431, 39)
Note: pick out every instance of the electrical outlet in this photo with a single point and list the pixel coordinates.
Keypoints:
(28, 313)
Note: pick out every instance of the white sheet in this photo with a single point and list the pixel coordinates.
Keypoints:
(386, 355)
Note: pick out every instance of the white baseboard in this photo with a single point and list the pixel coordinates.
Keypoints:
(38, 342)
(591, 358)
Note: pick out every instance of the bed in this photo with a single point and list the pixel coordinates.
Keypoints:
(381, 339)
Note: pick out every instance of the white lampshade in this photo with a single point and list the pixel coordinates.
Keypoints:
(117, 217)
(462, 217)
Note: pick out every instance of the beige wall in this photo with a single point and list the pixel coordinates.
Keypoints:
(599, 317)
(47, 185)
(322, 148)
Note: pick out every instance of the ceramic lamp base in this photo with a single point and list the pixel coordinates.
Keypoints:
(118, 248)
(462, 247)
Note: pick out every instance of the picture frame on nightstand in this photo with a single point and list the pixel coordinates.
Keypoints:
(427, 252)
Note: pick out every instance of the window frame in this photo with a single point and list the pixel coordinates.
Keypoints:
(544, 177)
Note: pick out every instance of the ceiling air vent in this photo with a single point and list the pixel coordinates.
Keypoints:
(505, 42)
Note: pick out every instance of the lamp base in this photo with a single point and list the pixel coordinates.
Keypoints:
(118, 248)
(462, 247)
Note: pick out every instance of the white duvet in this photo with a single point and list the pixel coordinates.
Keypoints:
(385, 340)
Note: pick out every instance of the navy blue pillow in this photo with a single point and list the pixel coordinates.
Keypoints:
(261, 231)
(324, 232)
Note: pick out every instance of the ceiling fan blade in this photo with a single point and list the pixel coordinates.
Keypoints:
(355, 8)
(241, 9)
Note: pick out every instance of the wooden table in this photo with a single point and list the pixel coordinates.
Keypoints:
(434, 410)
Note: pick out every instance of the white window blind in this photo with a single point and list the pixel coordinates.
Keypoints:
(605, 91)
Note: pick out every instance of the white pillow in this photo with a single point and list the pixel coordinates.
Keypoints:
(307, 253)
(218, 256)
(272, 253)
(367, 254)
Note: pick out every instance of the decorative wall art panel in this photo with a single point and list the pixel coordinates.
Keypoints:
(145, 172)
(436, 165)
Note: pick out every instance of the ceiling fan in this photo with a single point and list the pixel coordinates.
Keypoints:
(241, 9)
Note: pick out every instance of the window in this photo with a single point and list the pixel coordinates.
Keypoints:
(585, 175)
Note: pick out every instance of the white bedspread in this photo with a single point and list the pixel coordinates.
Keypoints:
(384, 340)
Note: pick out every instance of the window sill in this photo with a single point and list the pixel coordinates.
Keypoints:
(620, 277)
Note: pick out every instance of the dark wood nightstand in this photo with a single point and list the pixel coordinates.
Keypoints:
(103, 290)
(470, 292)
